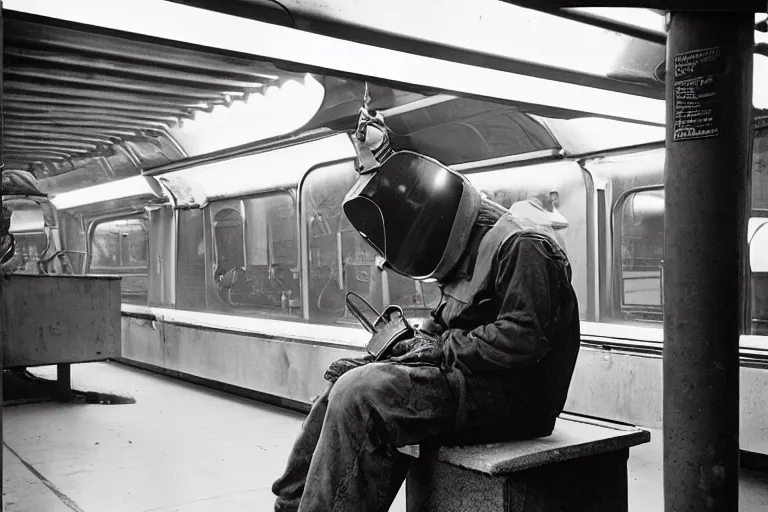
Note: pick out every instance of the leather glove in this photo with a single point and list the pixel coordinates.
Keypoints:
(430, 327)
(424, 348)
(342, 366)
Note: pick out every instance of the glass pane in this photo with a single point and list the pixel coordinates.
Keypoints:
(467, 130)
(554, 197)
(760, 170)
(257, 270)
(642, 245)
(30, 247)
(228, 231)
(120, 247)
(758, 255)
(339, 259)
(190, 267)
(416, 298)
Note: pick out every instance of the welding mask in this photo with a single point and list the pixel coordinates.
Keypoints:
(415, 212)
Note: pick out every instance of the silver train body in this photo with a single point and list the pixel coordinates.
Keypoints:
(235, 271)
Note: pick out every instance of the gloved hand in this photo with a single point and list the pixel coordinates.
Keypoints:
(424, 348)
(430, 327)
(342, 366)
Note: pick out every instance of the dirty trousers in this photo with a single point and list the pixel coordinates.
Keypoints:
(345, 457)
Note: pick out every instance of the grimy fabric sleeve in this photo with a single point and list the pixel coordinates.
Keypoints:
(527, 284)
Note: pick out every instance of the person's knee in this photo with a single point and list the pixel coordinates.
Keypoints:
(360, 388)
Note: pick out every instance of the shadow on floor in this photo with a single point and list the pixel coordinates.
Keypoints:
(22, 387)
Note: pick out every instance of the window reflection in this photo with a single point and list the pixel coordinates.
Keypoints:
(758, 252)
(641, 241)
(255, 267)
(190, 266)
(341, 261)
(120, 247)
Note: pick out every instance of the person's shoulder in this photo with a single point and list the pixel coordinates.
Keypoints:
(531, 244)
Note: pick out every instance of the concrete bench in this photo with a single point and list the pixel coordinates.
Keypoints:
(581, 467)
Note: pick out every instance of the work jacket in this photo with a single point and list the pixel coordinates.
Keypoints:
(509, 327)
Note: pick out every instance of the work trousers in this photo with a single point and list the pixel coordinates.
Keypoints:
(346, 457)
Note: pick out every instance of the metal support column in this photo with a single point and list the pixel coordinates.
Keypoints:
(707, 187)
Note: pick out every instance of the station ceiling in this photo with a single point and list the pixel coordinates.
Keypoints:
(76, 94)
(84, 106)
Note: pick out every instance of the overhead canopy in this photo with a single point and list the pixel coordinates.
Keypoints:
(77, 99)
(97, 93)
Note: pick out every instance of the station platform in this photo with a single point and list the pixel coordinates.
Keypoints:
(185, 448)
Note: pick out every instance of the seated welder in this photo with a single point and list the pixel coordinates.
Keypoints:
(493, 363)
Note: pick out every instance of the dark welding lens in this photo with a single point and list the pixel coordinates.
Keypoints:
(417, 199)
(367, 219)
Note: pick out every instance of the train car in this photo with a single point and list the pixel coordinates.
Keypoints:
(246, 288)
(230, 236)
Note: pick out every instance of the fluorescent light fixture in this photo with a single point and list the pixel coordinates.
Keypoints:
(271, 170)
(590, 134)
(215, 30)
(277, 111)
(121, 189)
(489, 27)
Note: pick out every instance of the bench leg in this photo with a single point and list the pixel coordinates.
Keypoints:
(63, 382)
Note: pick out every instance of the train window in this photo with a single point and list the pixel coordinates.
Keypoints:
(554, 197)
(416, 297)
(256, 255)
(468, 130)
(640, 227)
(758, 256)
(760, 170)
(30, 249)
(341, 261)
(121, 247)
(230, 244)
(190, 264)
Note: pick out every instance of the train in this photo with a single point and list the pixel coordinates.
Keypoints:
(235, 256)
(243, 282)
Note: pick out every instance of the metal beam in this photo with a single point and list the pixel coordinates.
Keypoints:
(98, 44)
(22, 144)
(29, 56)
(117, 84)
(596, 20)
(34, 127)
(707, 191)
(49, 101)
(75, 119)
(96, 125)
(137, 113)
(158, 98)
(36, 154)
(70, 137)
(679, 5)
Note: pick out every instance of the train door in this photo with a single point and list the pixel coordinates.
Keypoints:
(162, 256)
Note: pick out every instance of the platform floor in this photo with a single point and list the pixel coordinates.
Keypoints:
(183, 448)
